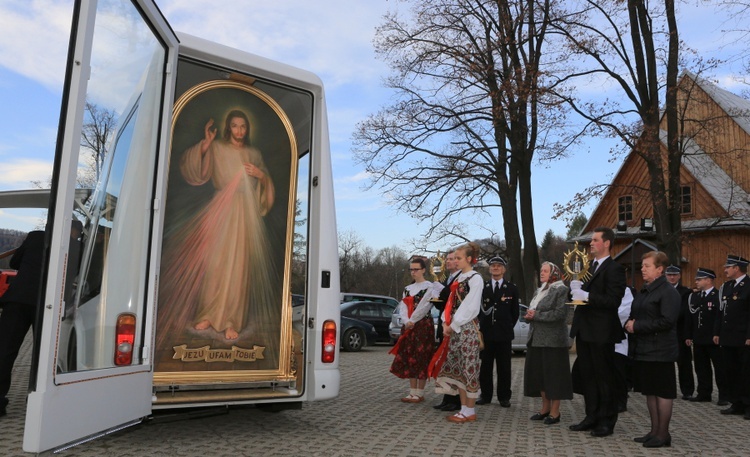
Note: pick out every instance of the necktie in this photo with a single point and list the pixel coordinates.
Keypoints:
(595, 265)
(497, 287)
(703, 294)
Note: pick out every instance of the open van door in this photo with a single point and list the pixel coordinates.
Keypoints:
(93, 370)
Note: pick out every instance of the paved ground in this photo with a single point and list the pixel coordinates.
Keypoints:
(369, 420)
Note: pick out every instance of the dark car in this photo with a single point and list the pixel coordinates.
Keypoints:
(374, 313)
(356, 334)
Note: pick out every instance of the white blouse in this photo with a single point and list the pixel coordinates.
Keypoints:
(471, 304)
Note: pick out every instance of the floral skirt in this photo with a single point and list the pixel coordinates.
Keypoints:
(461, 367)
(415, 351)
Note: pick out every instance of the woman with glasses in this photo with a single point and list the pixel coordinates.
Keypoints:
(416, 345)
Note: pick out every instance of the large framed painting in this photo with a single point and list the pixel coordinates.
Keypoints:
(222, 314)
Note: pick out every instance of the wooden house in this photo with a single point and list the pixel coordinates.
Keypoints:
(714, 181)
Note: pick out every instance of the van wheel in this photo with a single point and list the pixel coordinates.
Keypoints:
(353, 340)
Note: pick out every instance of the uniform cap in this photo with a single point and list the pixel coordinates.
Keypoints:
(705, 273)
(673, 270)
(735, 260)
(498, 260)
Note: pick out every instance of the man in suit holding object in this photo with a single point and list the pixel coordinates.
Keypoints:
(496, 321)
(596, 328)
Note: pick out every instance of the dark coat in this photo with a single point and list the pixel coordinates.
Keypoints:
(655, 310)
(598, 322)
(733, 326)
(701, 318)
(499, 312)
(684, 294)
(28, 260)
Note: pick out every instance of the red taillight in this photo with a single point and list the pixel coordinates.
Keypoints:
(124, 339)
(329, 342)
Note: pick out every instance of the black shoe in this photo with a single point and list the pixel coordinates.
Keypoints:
(582, 426)
(642, 439)
(483, 401)
(622, 408)
(552, 420)
(656, 442)
(451, 407)
(701, 398)
(734, 410)
(602, 431)
(722, 402)
(440, 406)
(3, 404)
(687, 397)
(505, 403)
(539, 416)
(747, 415)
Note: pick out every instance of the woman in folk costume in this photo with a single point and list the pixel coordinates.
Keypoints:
(456, 362)
(547, 369)
(417, 343)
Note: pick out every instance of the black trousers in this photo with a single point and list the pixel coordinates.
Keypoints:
(594, 376)
(706, 355)
(495, 353)
(624, 381)
(685, 369)
(15, 321)
(737, 372)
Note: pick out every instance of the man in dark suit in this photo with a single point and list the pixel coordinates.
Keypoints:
(20, 303)
(450, 402)
(596, 328)
(497, 318)
(732, 333)
(703, 310)
(685, 357)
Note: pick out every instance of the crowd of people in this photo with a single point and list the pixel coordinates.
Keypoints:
(649, 341)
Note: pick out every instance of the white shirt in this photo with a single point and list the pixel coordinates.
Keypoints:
(423, 307)
(471, 304)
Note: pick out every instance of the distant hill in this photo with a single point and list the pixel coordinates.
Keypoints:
(9, 239)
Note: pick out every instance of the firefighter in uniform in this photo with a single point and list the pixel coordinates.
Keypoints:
(732, 333)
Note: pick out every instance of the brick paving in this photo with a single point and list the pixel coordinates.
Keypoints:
(369, 420)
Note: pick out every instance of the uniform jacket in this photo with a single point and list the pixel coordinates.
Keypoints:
(732, 327)
(28, 259)
(684, 294)
(597, 322)
(549, 327)
(655, 310)
(499, 312)
(701, 318)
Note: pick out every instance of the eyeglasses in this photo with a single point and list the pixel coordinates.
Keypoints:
(415, 269)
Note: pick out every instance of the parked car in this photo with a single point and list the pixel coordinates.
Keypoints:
(356, 334)
(374, 313)
(353, 296)
(394, 328)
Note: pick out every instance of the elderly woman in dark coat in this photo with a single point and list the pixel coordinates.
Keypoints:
(547, 370)
(653, 346)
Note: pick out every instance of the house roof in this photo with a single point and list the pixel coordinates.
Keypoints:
(738, 108)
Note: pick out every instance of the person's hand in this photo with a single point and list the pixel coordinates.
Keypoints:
(576, 284)
(409, 325)
(716, 340)
(579, 295)
(209, 135)
(747, 342)
(252, 170)
(447, 329)
(530, 315)
(688, 342)
(630, 326)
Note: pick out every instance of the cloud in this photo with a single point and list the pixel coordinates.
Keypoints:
(22, 171)
(357, 178)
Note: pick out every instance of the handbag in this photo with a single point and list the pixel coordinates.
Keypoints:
(481, 337)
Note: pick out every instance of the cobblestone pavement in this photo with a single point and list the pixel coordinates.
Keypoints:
(369, 420)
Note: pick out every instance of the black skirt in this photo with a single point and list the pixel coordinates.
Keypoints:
(655, 378)
(547, 370)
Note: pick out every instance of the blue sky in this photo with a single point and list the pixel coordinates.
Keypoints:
(332, 39)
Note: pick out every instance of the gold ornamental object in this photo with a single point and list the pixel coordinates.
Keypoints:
(576, 268)
(437, 266)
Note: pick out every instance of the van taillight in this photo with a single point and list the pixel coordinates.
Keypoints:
(124, 339)
(329, 341)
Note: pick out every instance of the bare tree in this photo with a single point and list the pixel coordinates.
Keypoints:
(99, 124)
(635, 45)
(471, 112)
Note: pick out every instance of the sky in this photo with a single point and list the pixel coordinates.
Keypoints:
(332, 38)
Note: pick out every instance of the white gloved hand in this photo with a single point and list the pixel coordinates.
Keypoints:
(580, 295)
(576, 284)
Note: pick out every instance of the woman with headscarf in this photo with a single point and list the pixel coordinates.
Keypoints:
(547, 369)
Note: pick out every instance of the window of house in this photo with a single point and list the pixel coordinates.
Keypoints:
(686, 200)
(625, 208)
